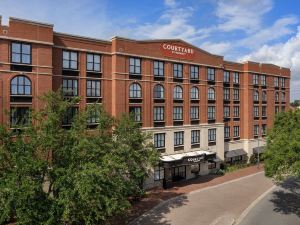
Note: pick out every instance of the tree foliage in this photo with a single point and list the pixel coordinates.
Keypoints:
(282, 157)
(52, 175)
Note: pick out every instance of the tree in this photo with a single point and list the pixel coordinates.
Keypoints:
(52, 175)
(282, 156)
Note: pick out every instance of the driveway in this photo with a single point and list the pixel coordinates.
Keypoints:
(220, 204)
(279, 207)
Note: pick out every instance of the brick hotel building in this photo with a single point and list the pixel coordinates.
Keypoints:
(200, 108)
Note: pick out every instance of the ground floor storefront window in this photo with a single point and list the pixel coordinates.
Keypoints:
(178, 173)
(159, 173)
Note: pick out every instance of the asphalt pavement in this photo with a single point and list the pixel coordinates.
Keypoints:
(218, 205)
(279, 207)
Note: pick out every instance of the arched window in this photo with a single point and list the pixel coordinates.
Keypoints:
(20, 85)
(211, 94)
(158, 92)
(283, 97)
(264, 96)
(177, 92)
(135, 90)
(255, 96)
(194, 93)
(276, 96)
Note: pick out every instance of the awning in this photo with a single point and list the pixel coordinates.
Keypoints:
(187, 158)
(234, 153)
(258, 150)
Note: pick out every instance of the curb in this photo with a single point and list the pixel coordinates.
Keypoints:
(252, 205)
(136, 220)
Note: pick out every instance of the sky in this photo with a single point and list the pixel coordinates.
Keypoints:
(258, 30)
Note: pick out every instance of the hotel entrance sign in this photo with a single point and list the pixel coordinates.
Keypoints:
(177, 51)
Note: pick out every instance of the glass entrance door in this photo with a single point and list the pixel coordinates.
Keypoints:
(178, 173)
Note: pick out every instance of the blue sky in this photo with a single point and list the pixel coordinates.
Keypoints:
(259, 30)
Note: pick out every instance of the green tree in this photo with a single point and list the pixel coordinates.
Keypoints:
(52, 175)
(282, 156)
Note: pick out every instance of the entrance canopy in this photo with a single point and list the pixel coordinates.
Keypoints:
(258, 150)
(187, 158)
(234, 153)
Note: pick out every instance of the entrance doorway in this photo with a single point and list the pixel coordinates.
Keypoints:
(178, 173)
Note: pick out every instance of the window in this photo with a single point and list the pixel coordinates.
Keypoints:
(178, 138)
(194, 113)
(211, 112)
(227, 132)
(236, 131)
(264, 129)
(19, 116)
(236, 94)
(195, 137)
(93, 62)
(256, 130)
(236, 78)
(283, 108)
(276, 109)
(159, 173)
(135, 66)
(226, 77)
(255, 79)
(136, 112)
(158, 92)
(70, 87)
(20, 85)
(158, 113)
(194, 93)
(276, 96)
(282, 82)
(159, 140)
(236, 111)
(93, 88)
(255, 96)
(135, 91)
(263, 80)
(93, 116)
(194, 72)
(283, 97)
(177, 113)
(264, 96)
(177, 70)
(211, 74)
(70, 60)
(158, 68)
(226, 111)
(211, 94)
(264, 111)
(20, 53)
(212, 135)
(69, 116)
(276, 81)
(256, 111)
(177, 94)
(226, 94)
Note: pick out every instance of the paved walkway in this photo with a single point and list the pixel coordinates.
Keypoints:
(279, 207)
(216, 205)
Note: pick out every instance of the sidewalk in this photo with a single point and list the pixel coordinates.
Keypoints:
(155, 196)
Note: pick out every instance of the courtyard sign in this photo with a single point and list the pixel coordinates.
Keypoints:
(177, 51)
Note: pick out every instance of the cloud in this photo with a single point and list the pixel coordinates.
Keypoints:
(170, 3)
(218, 48)
(243, 15)
(285, 54)
(280, 28)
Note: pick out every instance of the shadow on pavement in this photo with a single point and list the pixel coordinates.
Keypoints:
(287, 199)
(158, 217)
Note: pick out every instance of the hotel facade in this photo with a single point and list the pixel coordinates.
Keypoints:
(200, 109)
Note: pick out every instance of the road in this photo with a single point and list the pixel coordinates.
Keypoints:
(218, 205)
(279, 207)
